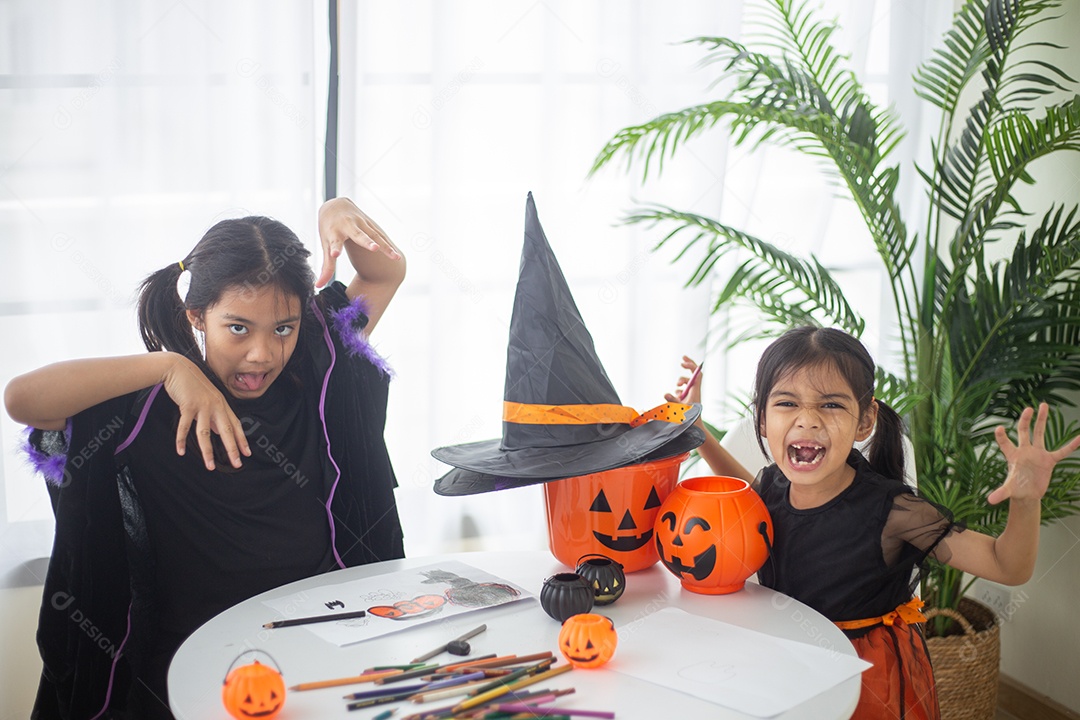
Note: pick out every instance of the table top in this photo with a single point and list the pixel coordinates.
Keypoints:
(199, 667)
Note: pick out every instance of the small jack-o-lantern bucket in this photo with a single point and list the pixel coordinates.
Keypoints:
(713, 533)
(610, 513)
(253, 691)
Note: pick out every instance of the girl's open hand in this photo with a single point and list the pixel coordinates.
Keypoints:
(1030, 463)
(694, 395)
(203, 405)
(340, 222)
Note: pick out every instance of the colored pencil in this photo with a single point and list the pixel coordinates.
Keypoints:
(546, 712)
(317, 619)
(362, 678)
(690, 382)
(482, 698)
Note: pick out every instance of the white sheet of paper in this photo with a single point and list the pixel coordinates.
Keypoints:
(397, 601)
(741, 669)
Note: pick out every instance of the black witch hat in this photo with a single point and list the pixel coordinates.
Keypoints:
(561, 415)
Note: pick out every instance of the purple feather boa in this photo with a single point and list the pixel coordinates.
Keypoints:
(346, 321)
(51, 467)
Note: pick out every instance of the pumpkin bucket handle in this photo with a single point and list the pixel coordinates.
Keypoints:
(598, 556)
(763, 528)
(277, 665)
(950, 613)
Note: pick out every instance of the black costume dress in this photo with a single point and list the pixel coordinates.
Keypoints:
(139, 561)
(854, 558)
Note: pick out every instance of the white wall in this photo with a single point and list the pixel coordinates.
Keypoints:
(20, 664)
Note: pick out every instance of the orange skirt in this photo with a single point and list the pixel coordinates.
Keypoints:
(901, 683)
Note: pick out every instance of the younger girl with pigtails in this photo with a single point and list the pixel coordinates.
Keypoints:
(244, 451)
(848, 531)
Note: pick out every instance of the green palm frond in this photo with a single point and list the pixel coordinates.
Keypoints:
(771, 275)
(941, 79)
(963, 185)
(789, 28)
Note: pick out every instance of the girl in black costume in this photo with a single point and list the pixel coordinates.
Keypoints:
(262, 462)
(848, 531)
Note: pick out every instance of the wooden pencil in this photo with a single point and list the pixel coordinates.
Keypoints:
(362, 678)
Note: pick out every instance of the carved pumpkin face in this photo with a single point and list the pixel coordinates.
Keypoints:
(606, 576)
(617, 529)
(253, 691)
(610, 513)
(692, 553)
(588, 640)
(713, 533)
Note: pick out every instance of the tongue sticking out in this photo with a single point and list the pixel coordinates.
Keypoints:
(250, 381)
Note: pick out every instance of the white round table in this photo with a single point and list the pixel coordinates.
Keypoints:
(199, 667)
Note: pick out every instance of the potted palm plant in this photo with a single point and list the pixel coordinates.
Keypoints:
(979, 338)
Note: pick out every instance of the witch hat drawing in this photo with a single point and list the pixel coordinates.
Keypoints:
(561, 415)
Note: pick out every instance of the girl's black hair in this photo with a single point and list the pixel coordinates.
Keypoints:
(810, 346)
(246, 253)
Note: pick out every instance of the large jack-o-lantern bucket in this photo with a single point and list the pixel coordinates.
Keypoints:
(610, 513)
(713, 533)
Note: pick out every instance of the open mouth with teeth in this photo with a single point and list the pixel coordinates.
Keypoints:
(805, 454)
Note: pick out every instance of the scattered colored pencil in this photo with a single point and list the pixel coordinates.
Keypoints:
(317, 619)
(355, 679)
(547, 712)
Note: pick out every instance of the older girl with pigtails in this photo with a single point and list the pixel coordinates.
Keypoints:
(245, 451)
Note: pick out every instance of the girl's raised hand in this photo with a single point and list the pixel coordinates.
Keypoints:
(340, 222)
(1030, 463)
(694, 381)
(203, 405)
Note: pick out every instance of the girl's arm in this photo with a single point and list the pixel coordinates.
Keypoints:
(379, 264)
(47, 397)
(1009, 559)
(719, 460)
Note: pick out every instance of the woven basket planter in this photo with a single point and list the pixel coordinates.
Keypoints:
(966, 666)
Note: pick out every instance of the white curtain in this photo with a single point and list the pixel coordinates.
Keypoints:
(129, 128)
(451, 112)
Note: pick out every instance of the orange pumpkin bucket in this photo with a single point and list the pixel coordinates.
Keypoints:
(610, 513)
(713, 533)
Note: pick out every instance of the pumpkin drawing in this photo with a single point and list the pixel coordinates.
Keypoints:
(253, 691)
(588, 640)
(713, 533)
(610, 513)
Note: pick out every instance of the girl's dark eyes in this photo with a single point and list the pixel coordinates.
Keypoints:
(285, 330)
(236, 329)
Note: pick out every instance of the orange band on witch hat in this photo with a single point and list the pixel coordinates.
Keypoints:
(532, 414)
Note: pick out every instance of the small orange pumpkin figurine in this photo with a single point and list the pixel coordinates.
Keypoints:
(253, 691)
(588, 640)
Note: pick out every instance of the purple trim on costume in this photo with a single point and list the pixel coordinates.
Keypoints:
(112, 671)
(326, 433)
(51, 467)
(142, 419)
(355, 341)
